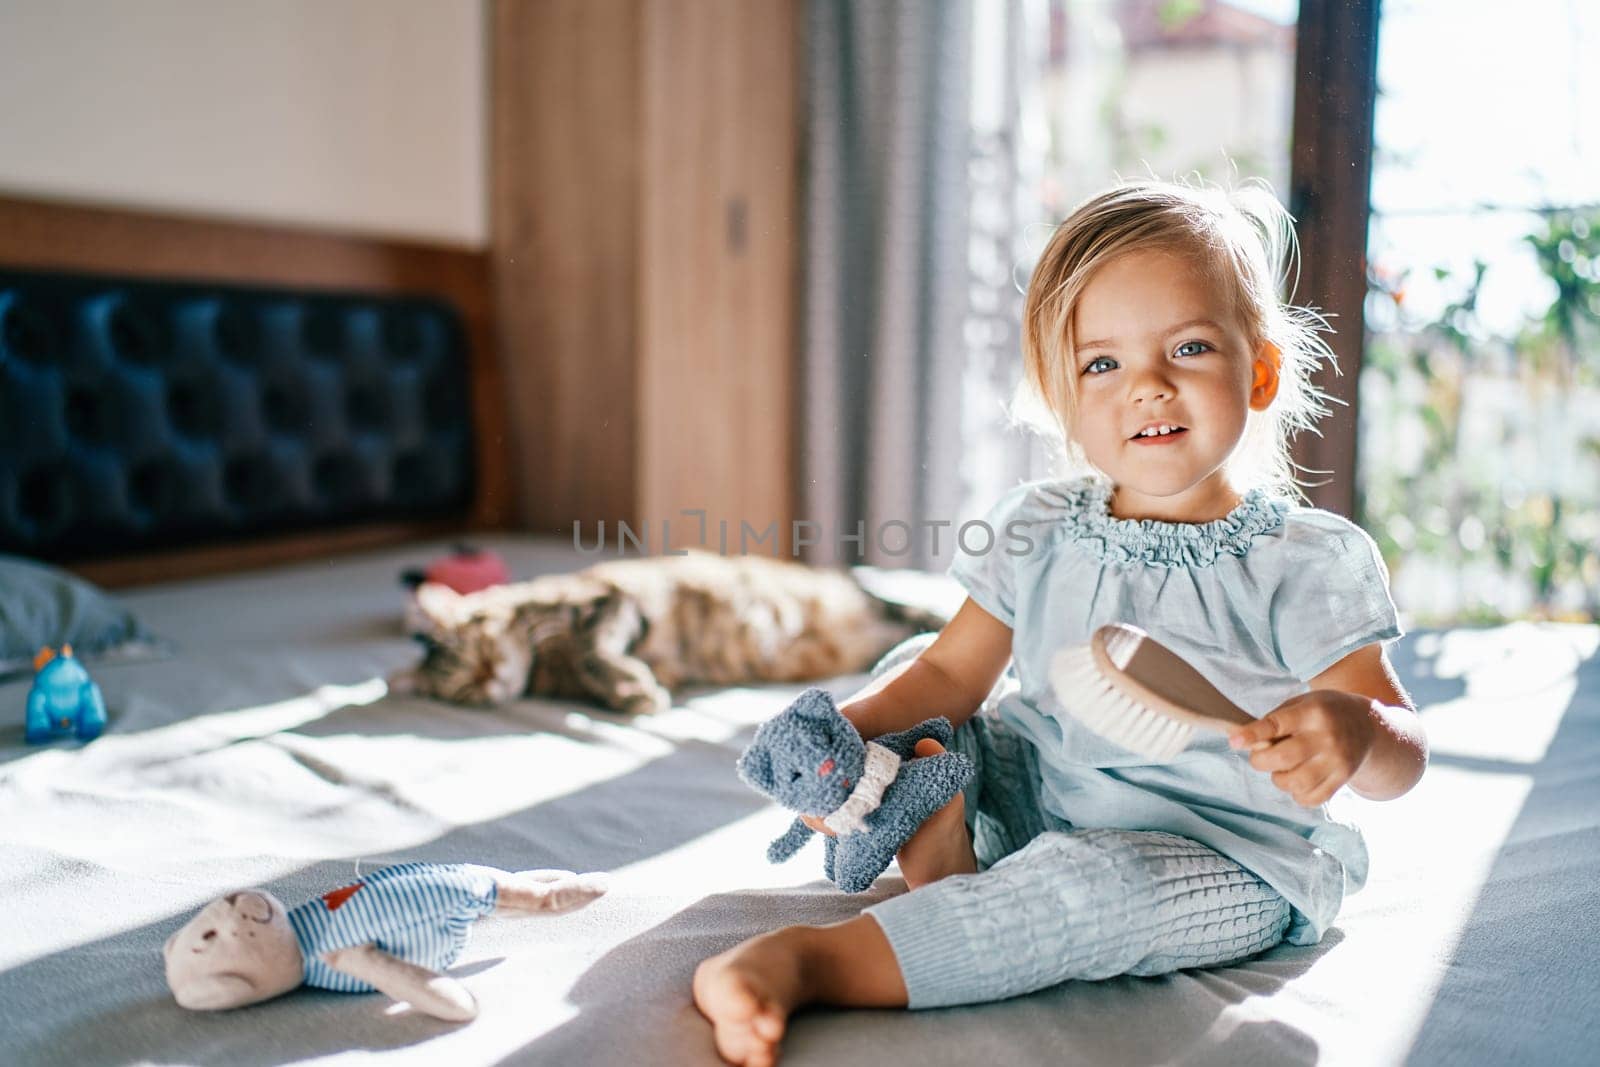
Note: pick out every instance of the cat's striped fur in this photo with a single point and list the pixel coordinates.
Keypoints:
(623, 633)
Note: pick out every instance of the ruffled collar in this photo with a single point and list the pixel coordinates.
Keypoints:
(1087, 520)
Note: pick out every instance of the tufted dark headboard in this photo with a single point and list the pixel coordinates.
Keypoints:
(139, 414)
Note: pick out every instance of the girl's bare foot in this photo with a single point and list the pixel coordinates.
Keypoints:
(748, 993)
(942, 846)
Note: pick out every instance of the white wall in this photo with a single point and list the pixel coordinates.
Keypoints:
(1208, 99)
(357, 115)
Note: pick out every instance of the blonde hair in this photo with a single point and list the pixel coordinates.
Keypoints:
(1245, 241)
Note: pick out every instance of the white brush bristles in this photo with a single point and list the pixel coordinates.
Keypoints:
(1089, 697)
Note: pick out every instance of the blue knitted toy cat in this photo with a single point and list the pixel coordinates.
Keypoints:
(811, 759)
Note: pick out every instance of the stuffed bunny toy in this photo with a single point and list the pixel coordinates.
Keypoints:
(873, 794)
(392, 931)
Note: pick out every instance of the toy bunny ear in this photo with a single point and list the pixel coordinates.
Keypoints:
(214, 992)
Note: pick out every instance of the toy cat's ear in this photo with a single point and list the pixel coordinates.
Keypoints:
(755, 767)
(815, 704)
(214, 992)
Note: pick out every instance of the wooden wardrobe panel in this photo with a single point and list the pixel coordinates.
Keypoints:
(564, 226)
(643, 198)
(716, 344)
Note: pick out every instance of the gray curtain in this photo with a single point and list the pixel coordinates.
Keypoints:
(885, 281)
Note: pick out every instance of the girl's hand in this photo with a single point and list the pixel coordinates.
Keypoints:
(1312, 743)
(816, 823)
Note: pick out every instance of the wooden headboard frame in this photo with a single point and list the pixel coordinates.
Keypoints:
(52, 236)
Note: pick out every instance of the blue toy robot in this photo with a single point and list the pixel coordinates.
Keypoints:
(64, 700)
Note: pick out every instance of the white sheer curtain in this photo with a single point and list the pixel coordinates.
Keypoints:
(920, 178)
(1011, 45)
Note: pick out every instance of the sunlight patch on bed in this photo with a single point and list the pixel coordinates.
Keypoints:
(730, 857)
(272, 718)
(1512, 729)
(1508, 660)
(1443, 848)
(174, 775)
(719, 715)
(201, 732)
(1520, 679)
(332, 773)
(463, 781)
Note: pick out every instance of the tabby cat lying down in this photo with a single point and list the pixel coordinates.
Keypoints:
(623, 633)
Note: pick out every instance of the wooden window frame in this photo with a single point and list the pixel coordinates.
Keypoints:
(1335, 89)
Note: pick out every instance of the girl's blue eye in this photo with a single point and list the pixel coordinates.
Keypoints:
(1202, 345)
(1090, 369)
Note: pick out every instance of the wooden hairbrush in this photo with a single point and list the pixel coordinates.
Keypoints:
(1129, 689)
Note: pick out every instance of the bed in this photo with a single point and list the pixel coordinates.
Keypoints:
(266, 750)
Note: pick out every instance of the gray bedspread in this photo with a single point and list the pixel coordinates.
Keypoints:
(267, 753)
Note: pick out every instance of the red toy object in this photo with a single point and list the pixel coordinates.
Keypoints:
(466, 570)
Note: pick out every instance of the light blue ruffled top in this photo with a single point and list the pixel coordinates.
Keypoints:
(1259, 601)
(1086, 519)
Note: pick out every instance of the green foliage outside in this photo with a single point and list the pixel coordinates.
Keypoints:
(1506, 489)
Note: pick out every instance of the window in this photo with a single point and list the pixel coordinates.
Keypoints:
(1068, 94)
(1480, 388)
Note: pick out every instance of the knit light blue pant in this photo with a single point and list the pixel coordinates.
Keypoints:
(1053, 902)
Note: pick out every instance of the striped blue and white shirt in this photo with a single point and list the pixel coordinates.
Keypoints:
(418, 912)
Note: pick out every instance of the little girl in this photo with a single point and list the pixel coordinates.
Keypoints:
(1156, 338)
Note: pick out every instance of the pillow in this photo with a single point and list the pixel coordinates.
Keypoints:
(40, 605)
